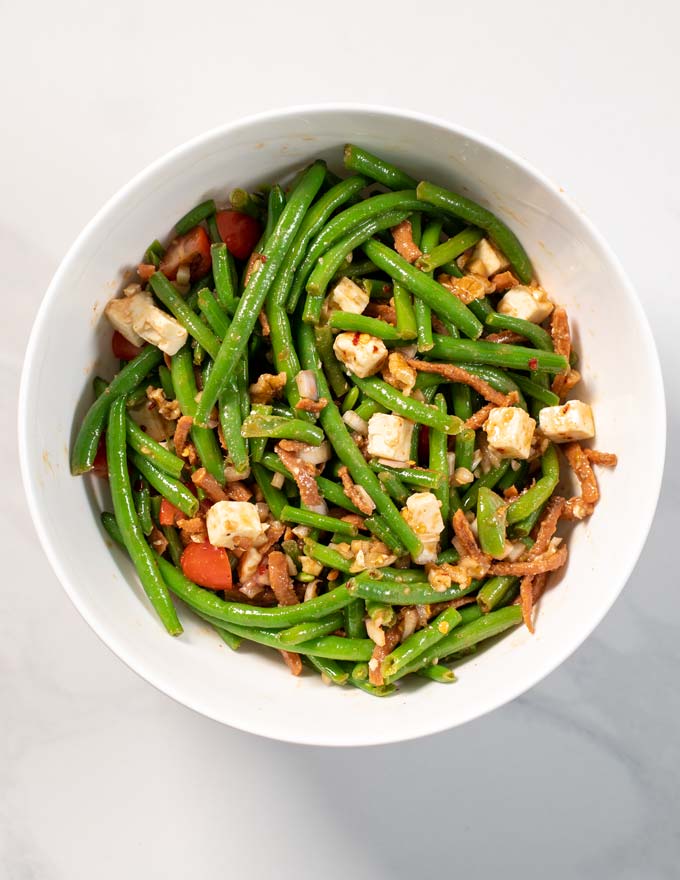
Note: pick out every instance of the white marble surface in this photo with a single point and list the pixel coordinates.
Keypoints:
(101, 776)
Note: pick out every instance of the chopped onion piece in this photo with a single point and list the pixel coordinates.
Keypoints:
(355, 422)
(278, 480)
(306, 384)
(315, 454)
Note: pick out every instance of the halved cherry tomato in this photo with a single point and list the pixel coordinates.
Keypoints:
(169, 514)
(145, 270)
(100, 466)
(123, 348)
(207, 566)
(239, 232)
(191, 249)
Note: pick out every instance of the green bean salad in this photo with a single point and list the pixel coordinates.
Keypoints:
(335, 427)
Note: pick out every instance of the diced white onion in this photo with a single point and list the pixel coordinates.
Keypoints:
(183, 275)
(306, 384)
(315, 454)
(231, 475)
(278, 480)
(319, 508)
(355, 422)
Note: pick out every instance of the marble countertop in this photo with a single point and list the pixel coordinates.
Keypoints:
(100, 775)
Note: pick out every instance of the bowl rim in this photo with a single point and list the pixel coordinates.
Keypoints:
(429, 724)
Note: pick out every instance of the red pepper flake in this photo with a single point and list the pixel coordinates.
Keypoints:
(356, 338)
(533, 363)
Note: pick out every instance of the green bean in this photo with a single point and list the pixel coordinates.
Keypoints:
(128, 523)
(465, 449)
(90, 431)
(279, 242)
(394, 593)
(276, 202)
(329, 669)
(247, 203)
(451, 555)
(274, 498)
(175, 545)
(324, 345)
(327, 556)
(407, 327)
(213, 229)
(224, 272)
(487, 480)
(350, 399)
(170, 488)
(346, 221)
(495, 592)
(285, 290)
(330, 647)
(513, 476)
(440, 300)
(383, 615)
(423, 312)
(229, 413)
(407, 407)
(166, 382)
(154, 253)
(355, 269)
(525, 527)
(348, 452)
(354, 619)
(312, 629)
(439, 673)
(420, 641)
(497, 378)
(359, 678)
(394, 487)
(317, 521)
(362, 162)
(212, 311)
(539, 493)
(439, 463)
(171, 299)
(368, 408)
(498, 354)
(465, 635)
(143, 507)
(533, 332)
(204, 439)
(330, 261)
(283, 351)
(277, 426)
(229, 639)
(475, 214)
(535, 390)
(421, 477)
(491, 521)
(195, 216)
(378, 527)
(352, 323)
(398, 575)
(449, 249)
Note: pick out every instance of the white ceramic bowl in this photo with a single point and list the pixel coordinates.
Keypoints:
(252, 689)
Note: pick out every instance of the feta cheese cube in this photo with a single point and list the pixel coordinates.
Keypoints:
(423, 514)
(571, 421)
(229, 520)
(510, 430)
(154, 325)
(118, 312)
(348, 297)
(530, 303)
(361, 353)
(486, 259)
(389, 436)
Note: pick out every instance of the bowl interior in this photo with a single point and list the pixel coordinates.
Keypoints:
(251, 689)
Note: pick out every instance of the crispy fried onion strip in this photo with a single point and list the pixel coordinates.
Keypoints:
(356, 494)
(606, 459)
(404, 244)
(550, 561)
(303, 472)
(292, 661)
(581, 506)
(392, 638)
(561, 337)
(548, 525)
(458, 374)
(279, 579)
(209, 484)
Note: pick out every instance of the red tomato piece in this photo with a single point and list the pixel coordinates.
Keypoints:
(100, 466)
(145, 270)
(191, 249)
(122, 348)
(207, 566)
(240, 232)
(169, 514)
